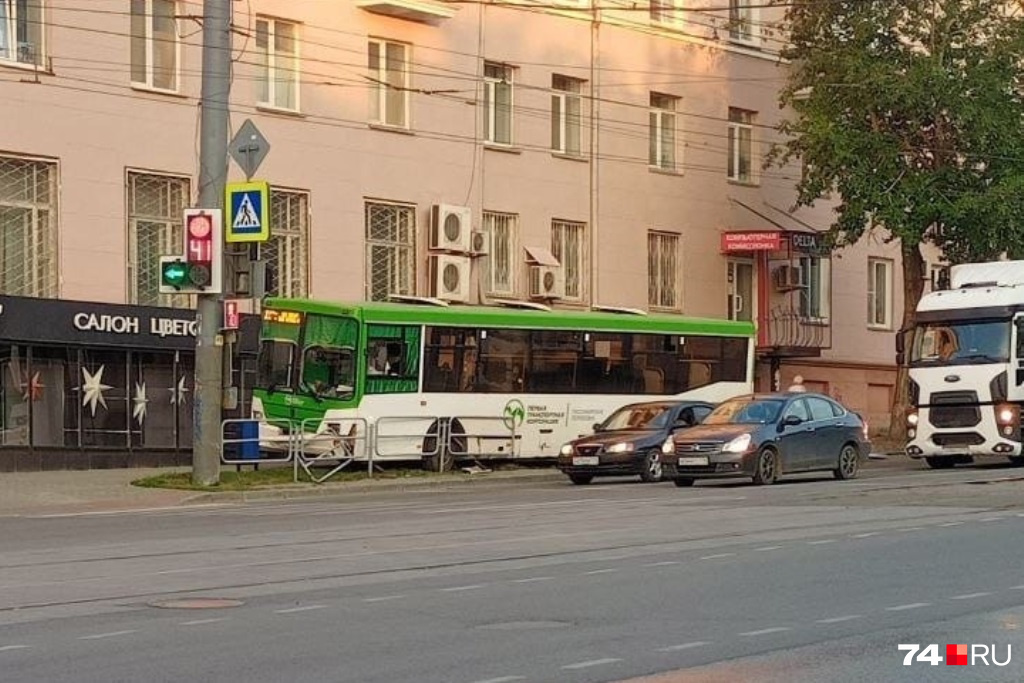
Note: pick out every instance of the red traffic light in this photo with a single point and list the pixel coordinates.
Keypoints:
(199, 234)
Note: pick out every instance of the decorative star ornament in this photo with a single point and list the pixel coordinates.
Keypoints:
(93, 388)
(32, 390)
(178, 393)
(139, 401)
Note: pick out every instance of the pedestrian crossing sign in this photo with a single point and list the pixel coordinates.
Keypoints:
(247, 206)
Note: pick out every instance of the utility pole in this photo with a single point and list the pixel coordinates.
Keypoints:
(213, 171)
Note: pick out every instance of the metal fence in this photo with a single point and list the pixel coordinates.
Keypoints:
(336, 443)
(254, 442)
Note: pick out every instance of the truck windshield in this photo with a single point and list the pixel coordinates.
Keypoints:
(958, 343)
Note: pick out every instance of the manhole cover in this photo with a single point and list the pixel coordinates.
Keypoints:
(525, 625)
(197, 603)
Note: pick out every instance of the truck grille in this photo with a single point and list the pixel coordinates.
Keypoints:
(954, 409)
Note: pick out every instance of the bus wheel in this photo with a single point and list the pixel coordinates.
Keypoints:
(941, 463)
(439, 454)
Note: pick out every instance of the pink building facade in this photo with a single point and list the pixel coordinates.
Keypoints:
(598, 155)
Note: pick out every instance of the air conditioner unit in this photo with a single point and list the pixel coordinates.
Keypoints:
(480, 243)
(450, 277)
(450, 227)
(547, 282)
(788, 277)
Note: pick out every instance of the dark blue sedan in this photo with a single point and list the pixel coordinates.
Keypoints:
(763, 436)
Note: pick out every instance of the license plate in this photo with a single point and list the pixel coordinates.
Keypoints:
(693, 462)
(586, 460)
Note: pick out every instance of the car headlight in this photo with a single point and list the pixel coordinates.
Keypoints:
(625, 447)
(669, 446)
(738, 445)
(567, 449)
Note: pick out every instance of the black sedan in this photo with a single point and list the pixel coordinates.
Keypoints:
(765, 436)
(630, 441)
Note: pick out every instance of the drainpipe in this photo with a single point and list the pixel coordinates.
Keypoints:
(595, 112)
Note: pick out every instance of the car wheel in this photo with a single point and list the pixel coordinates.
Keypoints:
(652, 470)
(766, 469)
(683, 482)
(849, 463)
(1016, 460)
(938, 463)
(581, 479)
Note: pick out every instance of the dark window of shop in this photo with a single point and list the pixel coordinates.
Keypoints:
(451, 355)
(392, 359)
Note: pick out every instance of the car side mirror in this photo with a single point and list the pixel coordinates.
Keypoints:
(792, 421)
(596, 427)
(682, 424)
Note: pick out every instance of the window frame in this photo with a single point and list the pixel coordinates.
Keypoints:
(10, 56)
(823, 286)
(491, 84)
(380, 86)
(149, 40)
(666, 12)
(741, 120)
(172, 229)
(657, 241)
(298, 284)
(560, 230)
(743, 13)
(887, 267)
(395, 246)
(269, 76)
(662, 117)
(562, 121)
(510, 222)
(42, 257)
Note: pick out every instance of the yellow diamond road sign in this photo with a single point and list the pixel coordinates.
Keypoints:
(248, 212)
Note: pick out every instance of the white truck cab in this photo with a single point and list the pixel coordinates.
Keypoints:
(966, 364)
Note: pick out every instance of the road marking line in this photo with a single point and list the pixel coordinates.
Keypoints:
(198, 622)
(683, 646)
(602, 571)
(767, 548)
(8, 648)
(822, 542)
(666, 563)
(293, 610)
(766, 631)
(719, 555)
(839, 620)
(913, 605)
(384, 598)
(533, 579)
(456, 589)
(592, 662)
(866, 534)
(991, 519)
(503, 679)
(952, 524)
(112, 634)
(911, 528)
(969, 596)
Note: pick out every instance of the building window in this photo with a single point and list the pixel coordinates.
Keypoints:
(662, 270)
(287, 252)
(880, 293)
(155, 213)
(815, 290)
(390, 250)
(665, 11)
(155, 45)
(498, 103)
(742, 21)
(565, 114)
(501, 262)
(389, 83)
(741, 152)
(28, 227)
(663, 131)
(277, 51)
(569, 246)
(21, 31)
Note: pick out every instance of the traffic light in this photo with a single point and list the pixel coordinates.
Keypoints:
(199, 270)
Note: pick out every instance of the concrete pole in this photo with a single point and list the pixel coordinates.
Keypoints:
(213, 171)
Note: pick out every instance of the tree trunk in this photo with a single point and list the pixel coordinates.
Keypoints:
(913, 289)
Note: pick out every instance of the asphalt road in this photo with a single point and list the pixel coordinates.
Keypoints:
(809, 580)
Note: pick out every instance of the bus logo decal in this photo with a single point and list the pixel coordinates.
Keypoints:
(514, 414)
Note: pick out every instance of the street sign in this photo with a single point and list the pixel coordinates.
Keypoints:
(248, 209)
(231, 314)
(249, 148)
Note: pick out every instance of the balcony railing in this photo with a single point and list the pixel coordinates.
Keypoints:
(785, 332)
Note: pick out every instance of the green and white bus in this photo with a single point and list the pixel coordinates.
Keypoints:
(530, 377)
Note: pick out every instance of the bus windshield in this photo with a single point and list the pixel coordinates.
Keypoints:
(961, 342)
(308, 353)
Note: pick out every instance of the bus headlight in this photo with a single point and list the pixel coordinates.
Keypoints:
(1006, 415)
(912, 418)
(668, 447)
(566, 449)
(624, 447)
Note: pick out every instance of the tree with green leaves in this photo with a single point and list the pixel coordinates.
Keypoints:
(911, 114)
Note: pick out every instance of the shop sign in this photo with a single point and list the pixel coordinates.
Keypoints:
(733, 242)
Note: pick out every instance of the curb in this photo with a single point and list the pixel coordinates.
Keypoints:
(341, 488)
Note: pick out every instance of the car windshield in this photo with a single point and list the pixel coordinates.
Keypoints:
(955, 343)
(745, 411)
(637, 417)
